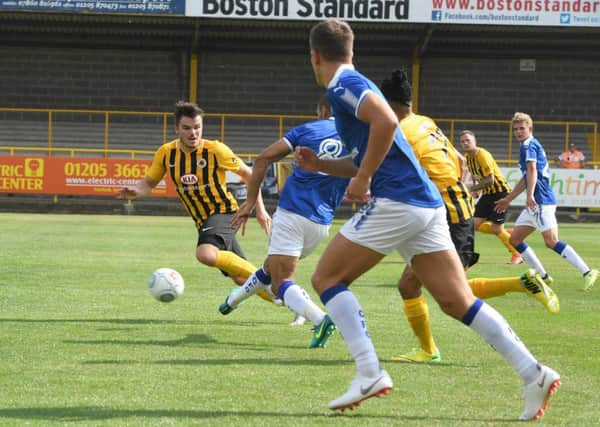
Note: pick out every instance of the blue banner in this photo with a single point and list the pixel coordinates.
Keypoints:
(106, 6)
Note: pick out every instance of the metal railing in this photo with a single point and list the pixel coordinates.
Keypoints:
(262, 128)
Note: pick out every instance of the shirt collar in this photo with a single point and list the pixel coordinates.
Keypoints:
(337, 73)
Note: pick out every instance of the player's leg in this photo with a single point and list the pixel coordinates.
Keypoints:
(529, 282)
(447, 284)
(218, 247)
(549, 228)
(417, 314)
(361, 243)
(258, 282)
(504, 237)
(296, 237)
(526, 224)
(487, 220)
(331, 280)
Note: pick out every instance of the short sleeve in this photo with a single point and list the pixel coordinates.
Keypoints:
(158, 168)
(227, 158)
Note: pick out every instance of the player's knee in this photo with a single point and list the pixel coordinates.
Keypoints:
(453, 306)
(409, 286)
(514, 240)
(206, 258)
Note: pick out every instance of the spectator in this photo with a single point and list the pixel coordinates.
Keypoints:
(572, 158)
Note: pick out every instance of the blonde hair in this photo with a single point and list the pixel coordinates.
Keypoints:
(522, 117)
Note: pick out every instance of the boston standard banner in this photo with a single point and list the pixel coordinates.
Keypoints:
(105, 6)
(577, 13)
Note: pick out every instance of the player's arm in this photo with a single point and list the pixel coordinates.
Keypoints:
(503, 203)
(273, 153)
(142, 189)
(464, 169)
(486, 182)
(307, 159)
(262, 216)
(531, 183)
(383, 124)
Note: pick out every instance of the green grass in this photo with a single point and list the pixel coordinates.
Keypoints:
(83, 343)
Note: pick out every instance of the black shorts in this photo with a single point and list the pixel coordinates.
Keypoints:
(217, 231)
(463, 237)
(485, 208)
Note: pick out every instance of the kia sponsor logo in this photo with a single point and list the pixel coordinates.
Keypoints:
(189, 179)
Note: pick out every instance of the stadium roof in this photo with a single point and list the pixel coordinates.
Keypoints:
(176, 31)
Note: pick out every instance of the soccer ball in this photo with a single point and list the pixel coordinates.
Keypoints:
(166, 284)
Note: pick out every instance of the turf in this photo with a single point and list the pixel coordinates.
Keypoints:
(83, 342)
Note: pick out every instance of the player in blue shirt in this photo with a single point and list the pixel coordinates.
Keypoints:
(540, 205)
(403, 212)
(302, 220)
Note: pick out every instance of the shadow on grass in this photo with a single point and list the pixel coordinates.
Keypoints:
(115, 321)
(227, 362)
(188, 339)
(193, 339)
(91, 413)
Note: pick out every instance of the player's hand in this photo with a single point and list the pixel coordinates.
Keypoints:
(264, 219)
(306, 159)
(240, 218)
(501, 205)
(475, 194)
(531, 204)
(358, 189)
(127, 193)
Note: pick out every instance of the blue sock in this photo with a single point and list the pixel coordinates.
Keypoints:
(262, 275)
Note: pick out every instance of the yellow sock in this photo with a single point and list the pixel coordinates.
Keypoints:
(417, 313)
(236, 266)
(504, 236)
(489, 288)
(485, 227)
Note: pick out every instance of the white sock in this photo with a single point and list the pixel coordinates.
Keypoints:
(347, 314)
(570, 255)
(496, 331)
(250, 287)
(533, 261)
(298, 300)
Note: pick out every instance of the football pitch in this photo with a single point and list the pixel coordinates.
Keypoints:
(84, 343)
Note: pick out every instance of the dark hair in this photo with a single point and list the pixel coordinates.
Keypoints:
(397, 88)
(333, 39)
(187, 109)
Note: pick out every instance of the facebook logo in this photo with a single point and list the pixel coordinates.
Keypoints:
(565, 18)
(436, 15)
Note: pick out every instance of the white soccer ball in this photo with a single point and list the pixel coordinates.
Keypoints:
(166, 284)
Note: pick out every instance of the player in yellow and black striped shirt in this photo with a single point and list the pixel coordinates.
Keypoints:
(441, 162)
(489, 180)
(197, 168)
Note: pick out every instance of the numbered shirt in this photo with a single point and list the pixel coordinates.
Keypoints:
(315, 196)
(532, 151)
(199, 176)
(400, 177)
(436, 154)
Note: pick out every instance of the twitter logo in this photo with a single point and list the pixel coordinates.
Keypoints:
(565, 18)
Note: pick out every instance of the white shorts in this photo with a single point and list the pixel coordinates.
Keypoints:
(543, 218)
(295, 235)
(384, 225)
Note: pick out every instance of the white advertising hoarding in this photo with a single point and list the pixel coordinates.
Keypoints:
(577, 188)
(564, 13)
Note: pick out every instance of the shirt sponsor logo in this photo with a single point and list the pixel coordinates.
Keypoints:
(189, 179)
